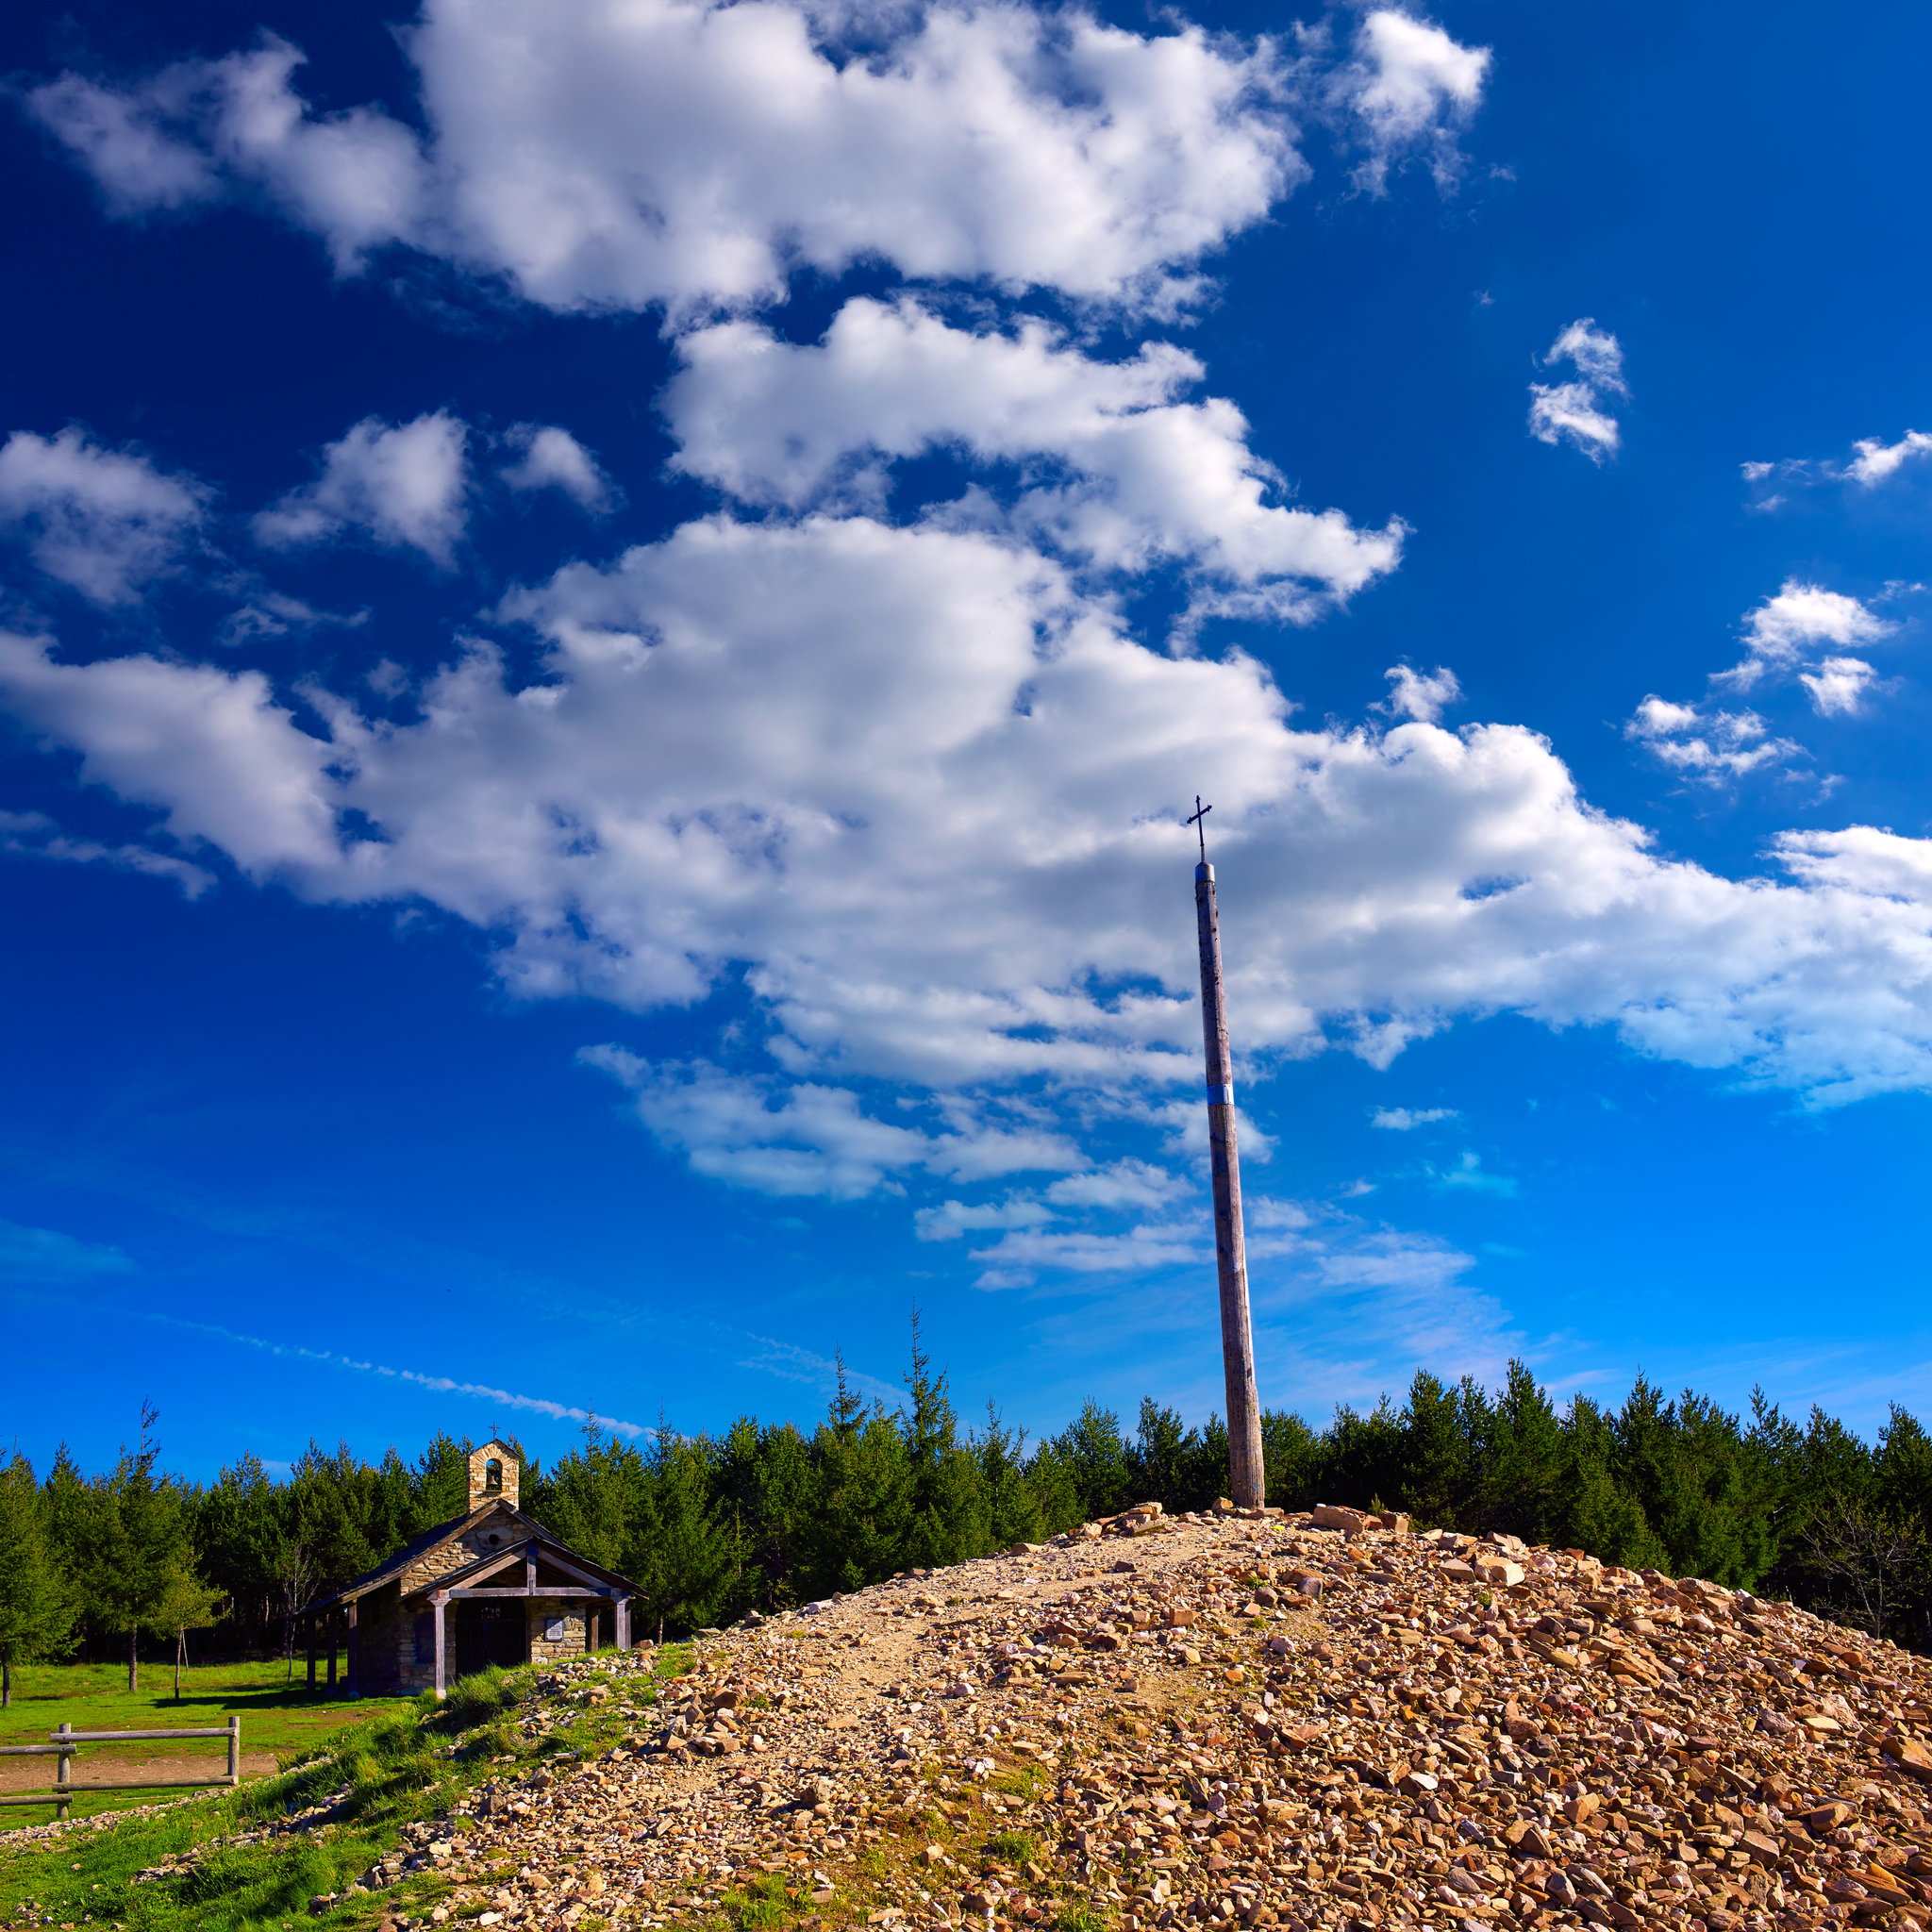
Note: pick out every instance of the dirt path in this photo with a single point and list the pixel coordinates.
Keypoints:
(109, 1764)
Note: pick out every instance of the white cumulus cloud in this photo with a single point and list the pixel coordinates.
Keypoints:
(926, 798)
(1839, 686)
(1782, 637)
(1712, 746)
(1136, 476)
(625, 154)
(1874, 463)
(553, 459)
(808, 1137)
(1423, 695)
(1414, 90)
(104, 522)
(1782, 629)
(628, 153)
(1405, 1120)
(403, 484)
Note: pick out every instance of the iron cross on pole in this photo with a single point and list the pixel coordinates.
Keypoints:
(1199, 824)
(1247, 1479)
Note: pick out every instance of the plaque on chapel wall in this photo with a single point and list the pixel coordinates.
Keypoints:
(553, 1630)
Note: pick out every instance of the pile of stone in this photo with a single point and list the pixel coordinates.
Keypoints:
(1317, 1721)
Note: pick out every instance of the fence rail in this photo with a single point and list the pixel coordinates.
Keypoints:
(65, 1744)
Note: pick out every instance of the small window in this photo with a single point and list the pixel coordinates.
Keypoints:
(492, 1539)
(493, 1475)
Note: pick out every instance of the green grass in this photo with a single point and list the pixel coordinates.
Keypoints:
(764, 1906)
(393, 1762)
(277, 1715)
(1014, 1848)
(1080, 1917)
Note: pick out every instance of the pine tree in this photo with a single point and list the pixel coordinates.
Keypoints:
(35, 1614)
(1363, 1457)
(1159, 1455)
(1519, 1489)
(946, 1504)
(1013, 1510)
(441, 1481)
(186, 1604)
(1293, 1455)
(1433, 1452)
(138, 1542)
(684, 1553)
(1096, 1458)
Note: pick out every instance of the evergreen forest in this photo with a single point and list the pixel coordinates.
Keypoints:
(127, 1561)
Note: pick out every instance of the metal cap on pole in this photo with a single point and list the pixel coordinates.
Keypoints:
(1247, 1479)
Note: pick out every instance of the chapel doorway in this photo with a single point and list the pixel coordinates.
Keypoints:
(490, 1634)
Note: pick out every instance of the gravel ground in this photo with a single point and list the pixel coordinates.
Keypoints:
(1203, 1721)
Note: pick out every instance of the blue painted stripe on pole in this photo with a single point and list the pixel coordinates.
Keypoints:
(1221, 1095)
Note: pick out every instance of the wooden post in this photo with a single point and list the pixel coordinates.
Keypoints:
(334, 1630)
(311, 1650)
(623, 1623)
(61, 1780)
(235, 1748)
(437, 1600)
(1247, 1479)
(354, 1685)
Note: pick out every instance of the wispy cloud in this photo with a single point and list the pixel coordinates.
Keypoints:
(437, 1384)
(1469, 1175)
(45, 1255)
(1578, 412)
(1874, 463)
(33, 835)
(790, 1363)
(1403, 1119)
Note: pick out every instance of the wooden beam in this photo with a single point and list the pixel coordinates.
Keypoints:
(438, 1601)
(65, 1735)
(570, 1568)
(489, 1566)
(622, 1617)
(354, 1687)
(334, 1631)
(154, 1784)
(559, 1589)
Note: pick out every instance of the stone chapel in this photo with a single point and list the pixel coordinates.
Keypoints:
(491, 1586)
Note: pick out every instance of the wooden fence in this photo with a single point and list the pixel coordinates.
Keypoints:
(65, 1744)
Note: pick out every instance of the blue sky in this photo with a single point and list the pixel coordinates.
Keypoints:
(608, 617)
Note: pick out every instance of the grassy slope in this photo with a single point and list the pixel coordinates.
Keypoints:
(389, 1768)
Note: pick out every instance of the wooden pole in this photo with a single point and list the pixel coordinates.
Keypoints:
(1247, 1479)
(61, 1779)
(354, 1687)
(442, 1653)
(235, 1749)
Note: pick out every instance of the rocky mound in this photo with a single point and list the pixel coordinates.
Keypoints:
(1313, 1721)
